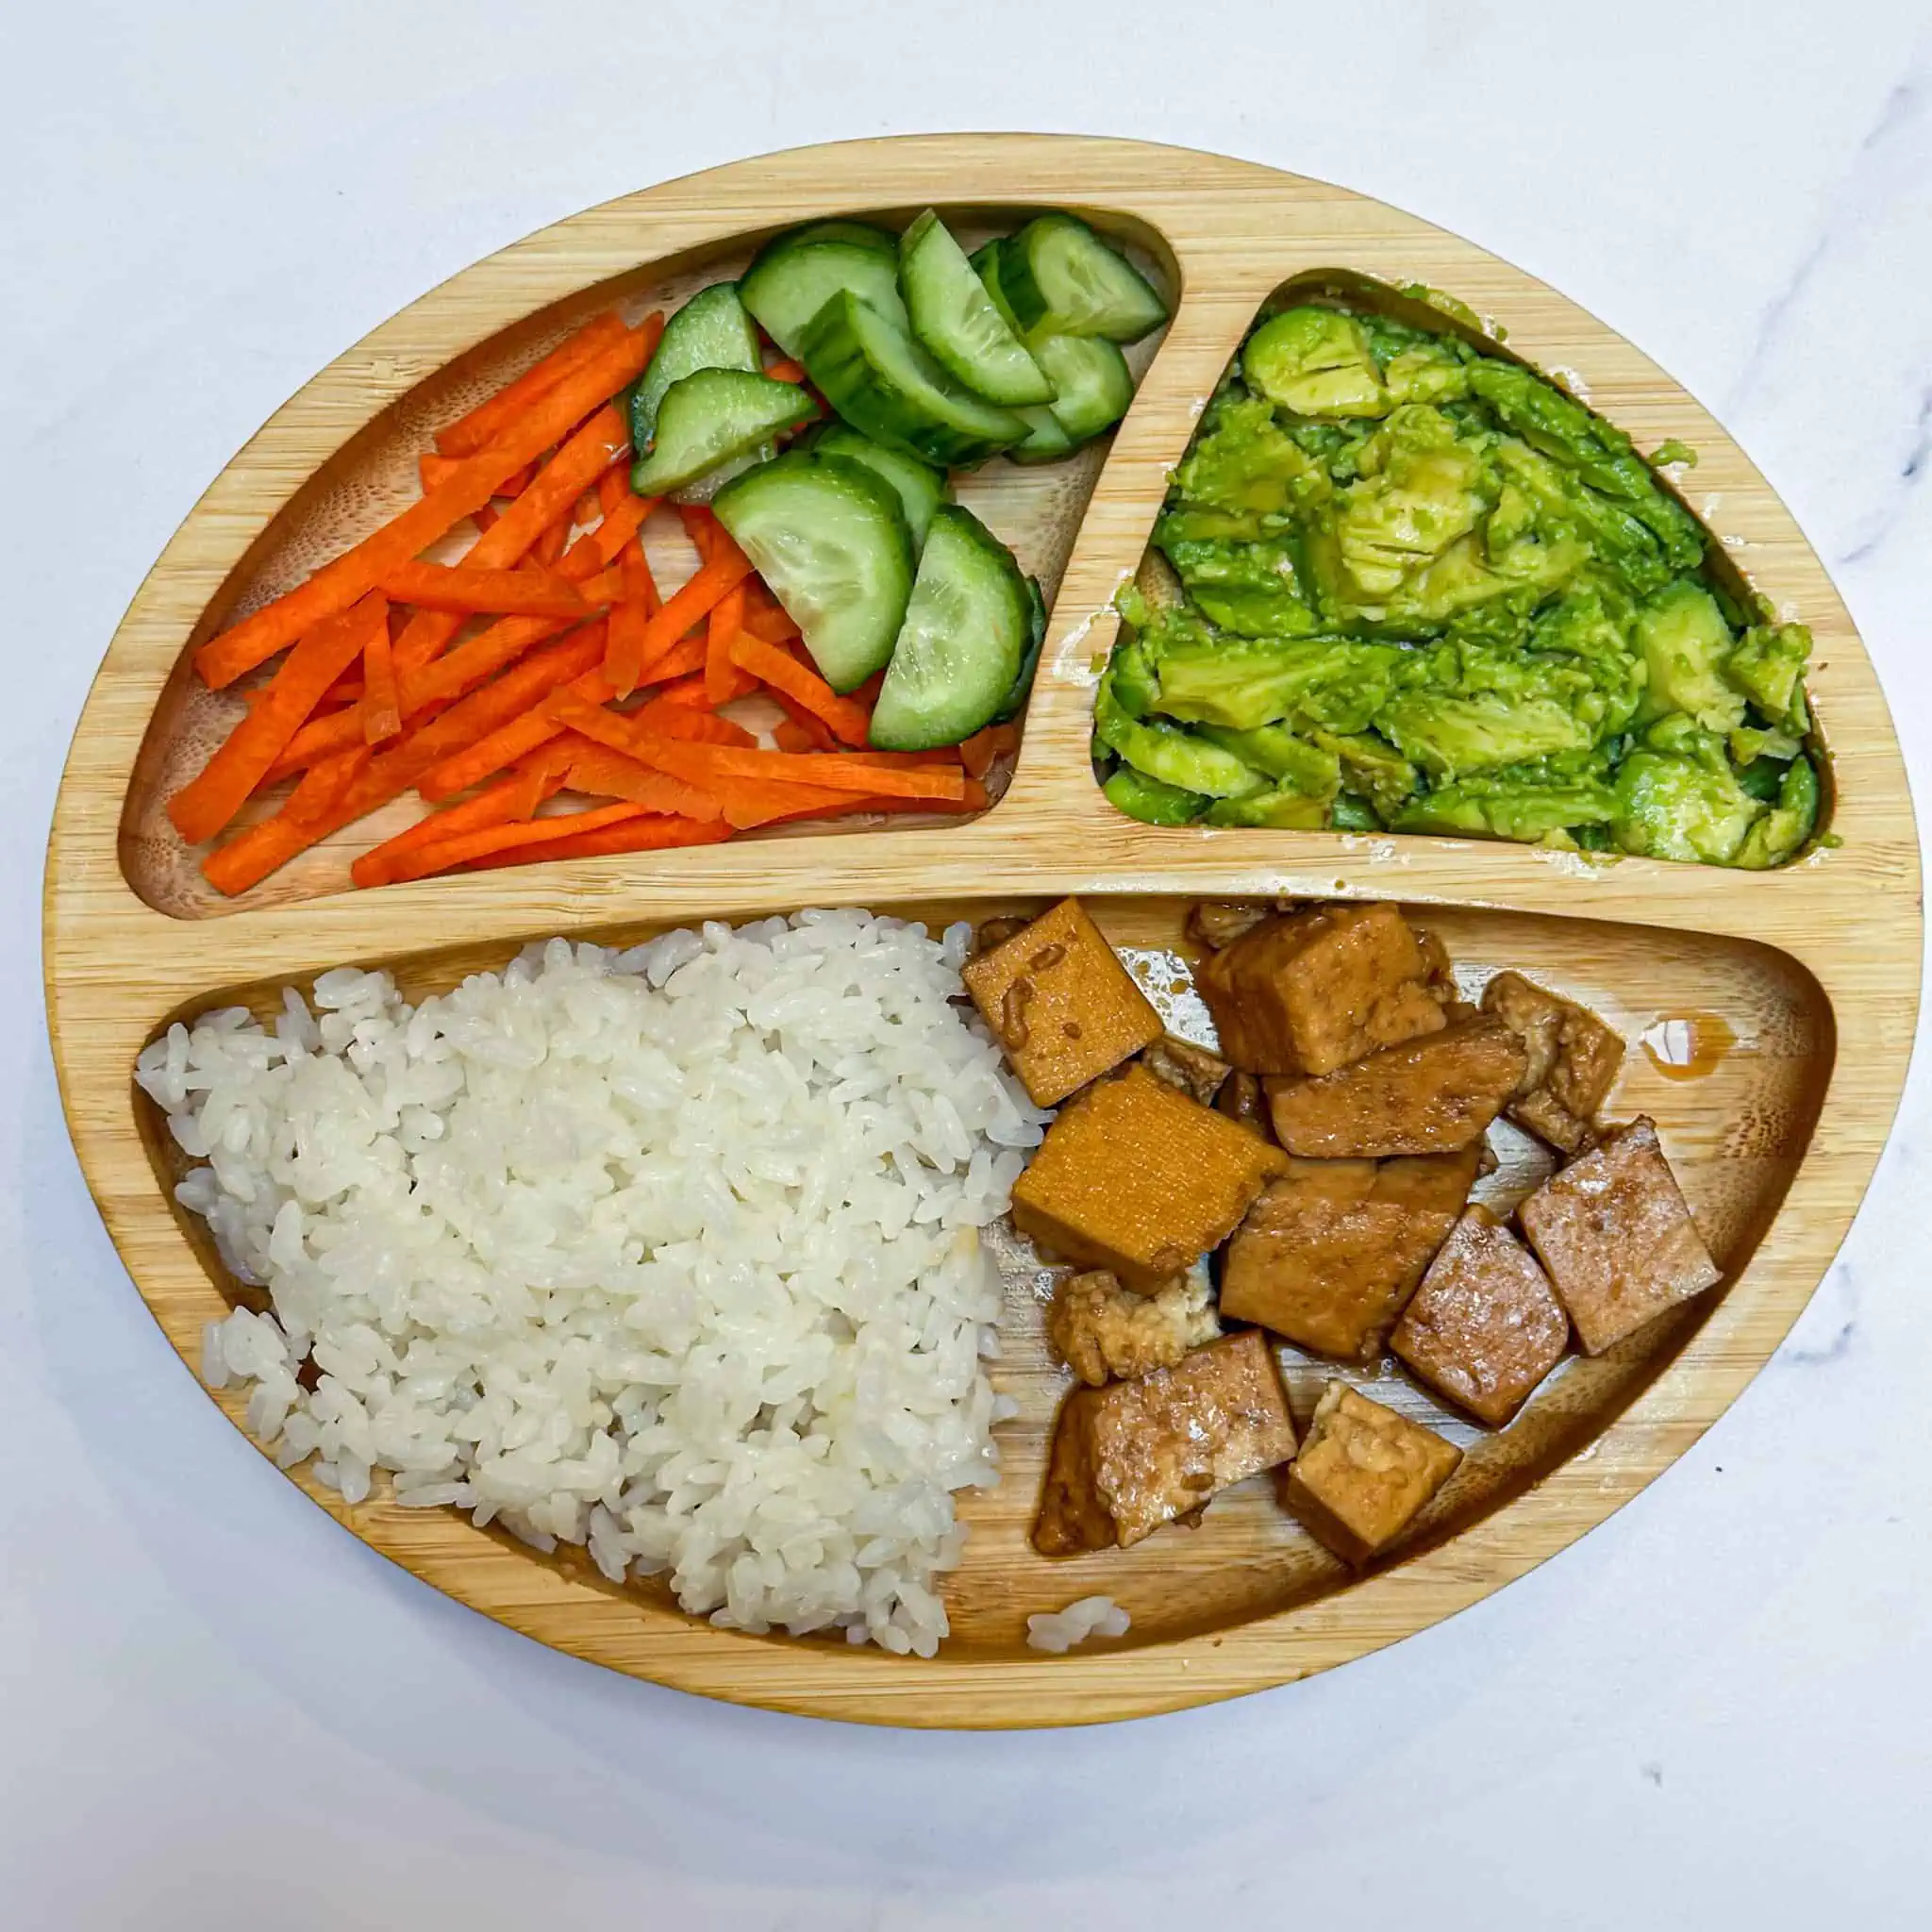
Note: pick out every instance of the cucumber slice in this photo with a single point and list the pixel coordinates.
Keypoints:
(860, 234)
(1062, 279)
(1094, 381)
(882, 382)
(1154, 804)
(796, 274)
(986, 260)
(1046, 442)
(921, 489)
(1021, 687)
(712, 415)
(961, 645)
(708, 485)
(710, 332)
(958, 322)
(830, 541)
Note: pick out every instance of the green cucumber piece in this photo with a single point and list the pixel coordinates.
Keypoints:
(883, 383)
(986, 260)
(921, 489)
(1021, 687)
(962, 642)
(795, 274)
(1093, 380)
(959, 323)
(1060, 278)
(710, 416)
(830, 541)
(1046, 442)
(710, 332)
(1151, 802)
(860, 234)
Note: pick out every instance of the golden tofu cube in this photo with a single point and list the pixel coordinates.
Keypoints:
(1309, 992)
(1135, 1454)
(1432, 1095)
(1137, 1178)
(1058, 1000)
(1364, 1474)
(1102, 1330)
(1485, 1326)
(1617, 1238)
(1572, 1057)
(1330, 1253)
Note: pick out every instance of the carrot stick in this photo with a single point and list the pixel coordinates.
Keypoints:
(826, 770)
(250, 858)
(702, 527)
(536, 777)
(207, 802)
(501, 804)
(588, 509)
(701, 728)
(485, 518)
(851, 805)
(727, 614)
(790, 735)
(625, 656)
(772, 626)
(337, 585)
(465, 587)
(786, 371)
(507, 743)
(685, 694)
(683, 658)
(443, 854)
(786, 675)
(691, 601)
(381, 707)
(324, 783)
(549, 546)
(432, 469)
(612, 487)
(647, 834)
(488, 420)
(810, 732)
(607, 773)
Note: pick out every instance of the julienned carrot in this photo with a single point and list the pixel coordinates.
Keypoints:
(204, 805)
(645, 834)
(701, 728)
(548, 548)
(473, 590)
(684, 693)
(773, 626)
(442, 854)
(339, 584)
(721, 627)
(536, 777)
(432, 469)
(826, 770)
(607, 773)
(786, 371)
(324, 783)
(702, 527)
(624, 656)
(500, 805)
(613, 486)
(691, 601)
(851, 803)
(250, 858)
(382, 704)
(488, 420)
(787, 675)
(810, 732)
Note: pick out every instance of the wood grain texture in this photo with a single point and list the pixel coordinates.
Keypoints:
(1815, 966)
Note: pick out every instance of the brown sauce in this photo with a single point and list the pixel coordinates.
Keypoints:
(1687, 1046)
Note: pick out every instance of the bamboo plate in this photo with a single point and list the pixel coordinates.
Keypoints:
(1815, 969)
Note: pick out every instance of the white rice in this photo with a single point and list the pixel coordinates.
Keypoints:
(672, 1253)
(1093, 1616)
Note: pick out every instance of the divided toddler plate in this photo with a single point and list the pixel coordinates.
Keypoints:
(1814, 969)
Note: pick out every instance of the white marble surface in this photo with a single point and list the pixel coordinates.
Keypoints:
(216, 1710)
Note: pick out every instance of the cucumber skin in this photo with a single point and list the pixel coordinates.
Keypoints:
(1071, 411)
(845, 377)
(1032, 307)
(647, 393)
(855, 477)
(669, 475)
(929, 255)
(929, 484)
(765, 298)
(1021, 687)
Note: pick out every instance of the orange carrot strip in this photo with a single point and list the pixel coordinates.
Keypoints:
(683, 658)
(549, 546)
(625, 656)
(432, 469)
(381, 708)
(339, 584)
(790, 735)
(443, 854)
(588, 509)
(612, 487)
(976, 753)
(826, 770)
(852, 804)
(772, 626)
(701, 728)
(607, 773)
(810, 731)
(721, 627)
(496, 807)
(786, 675)
(702, 527)
(209, 801)
(539, 776)
(324, 782)
(465, 587)
(786, 371)
(514, 739)
(694, 600)
(685, 694)
(645, 834)
(488, 420)
(485, 518)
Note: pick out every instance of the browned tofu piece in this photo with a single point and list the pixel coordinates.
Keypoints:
(1196, 1072)
(1485, 1326)
(1432, 1095)
(1364, 1474)
(1572, 1061)
(1102, 1330)
(1309, 992)
(1219, 922)
(1329, 1254)
(1137, 1178)
(1135, 1454)
(1242, 1099)
(1618, 1242)
(1058, 1000)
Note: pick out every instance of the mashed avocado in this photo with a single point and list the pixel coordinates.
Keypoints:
(1421, 588)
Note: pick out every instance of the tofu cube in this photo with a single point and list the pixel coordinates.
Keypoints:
(1485, 1326)
(1573, 1059)
(1330, 1254)
(1309, 992)
(1197, 1073)
(1431, 1096)
(1135, 1454)
(1618, 1242)
(1102, 1330)
(1137, 1178)
(1058, 1000)
(1364, 1474)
